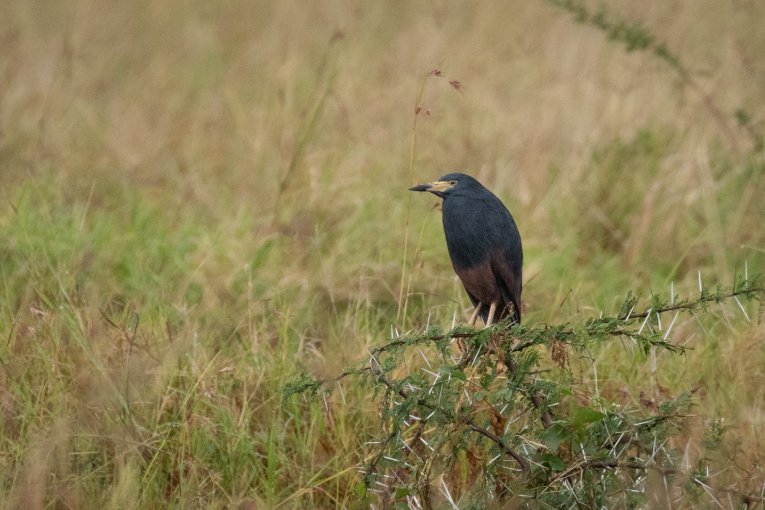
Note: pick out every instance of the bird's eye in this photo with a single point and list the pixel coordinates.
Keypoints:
(452, 182)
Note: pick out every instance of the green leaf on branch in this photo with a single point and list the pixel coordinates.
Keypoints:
(553, 462)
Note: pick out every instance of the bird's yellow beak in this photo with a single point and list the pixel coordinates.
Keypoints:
(433, 187)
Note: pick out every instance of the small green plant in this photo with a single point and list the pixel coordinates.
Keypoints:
(480, 418)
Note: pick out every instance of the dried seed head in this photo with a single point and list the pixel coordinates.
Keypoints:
(456, 85)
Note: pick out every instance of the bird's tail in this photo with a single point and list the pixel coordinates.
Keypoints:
(516, 311)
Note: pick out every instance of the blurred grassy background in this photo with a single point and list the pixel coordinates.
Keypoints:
(201, 199)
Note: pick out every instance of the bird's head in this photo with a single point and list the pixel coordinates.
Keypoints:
(447, 185)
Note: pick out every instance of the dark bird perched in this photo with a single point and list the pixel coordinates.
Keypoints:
(484, 245)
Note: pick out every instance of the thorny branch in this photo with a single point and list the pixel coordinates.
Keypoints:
(502, 332)
(524, 464)
(744, 290)
(508, 342)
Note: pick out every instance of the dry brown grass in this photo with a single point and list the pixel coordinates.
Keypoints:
(235, 174)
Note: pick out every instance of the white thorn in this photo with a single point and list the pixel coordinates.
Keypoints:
(742, 309)
(426, 359)
(477, 352)
(670, 327)
(434, 384)
(429, 372)
(448, 495)
(647, 315)
(629, 313)
(426, 444)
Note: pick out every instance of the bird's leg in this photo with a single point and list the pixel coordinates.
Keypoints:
(473, 317)
(471, 323)
(492, 311)
(493, 347)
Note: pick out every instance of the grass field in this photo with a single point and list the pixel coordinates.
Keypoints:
(200, 200)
